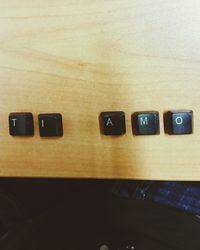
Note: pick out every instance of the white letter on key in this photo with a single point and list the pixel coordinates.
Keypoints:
(14, 122)
(144, 121)
(179, 120)
(109, 122)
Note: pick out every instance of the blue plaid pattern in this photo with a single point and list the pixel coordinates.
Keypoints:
(179, 195)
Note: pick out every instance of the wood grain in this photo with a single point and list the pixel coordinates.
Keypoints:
(80, 58)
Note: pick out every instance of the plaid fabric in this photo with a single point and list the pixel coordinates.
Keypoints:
(180, 195)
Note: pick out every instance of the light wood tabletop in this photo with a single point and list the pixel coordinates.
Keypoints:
(80, 58)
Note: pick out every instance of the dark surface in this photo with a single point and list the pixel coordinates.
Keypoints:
(179, 122)
(50, 125)
(145, 123)
(21, 124)
(62, 215)
(112, 123)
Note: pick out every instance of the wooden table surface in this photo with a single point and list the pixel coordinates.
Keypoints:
(80, 58)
